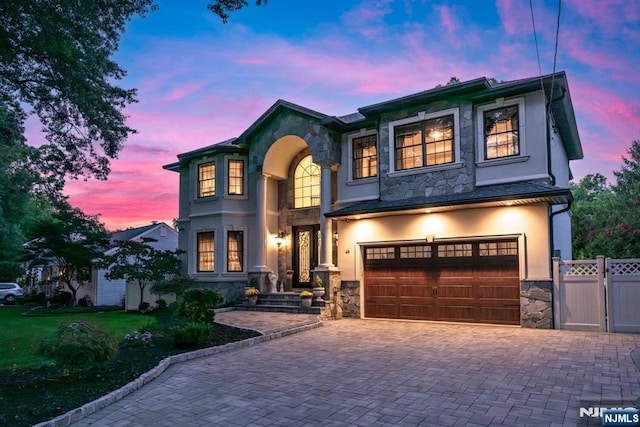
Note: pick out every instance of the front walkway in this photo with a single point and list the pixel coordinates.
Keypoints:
(390, 373)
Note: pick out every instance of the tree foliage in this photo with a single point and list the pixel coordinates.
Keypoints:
(222, 8)
(138, 262)
(55, 60)
(70, 240)
(606, 218)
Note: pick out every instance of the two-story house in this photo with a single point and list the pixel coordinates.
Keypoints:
(447, 204)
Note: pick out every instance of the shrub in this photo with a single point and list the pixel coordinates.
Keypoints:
(191, 335)
(62, 298)
(143, 307)
(198, 305)
(79, 345)
(161, 304)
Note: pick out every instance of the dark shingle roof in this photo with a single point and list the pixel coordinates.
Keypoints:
(130, 233)
(527, 191)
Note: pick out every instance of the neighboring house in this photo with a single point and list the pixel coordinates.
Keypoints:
(112, 292)
(446, 205)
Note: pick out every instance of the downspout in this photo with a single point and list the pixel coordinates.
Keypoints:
(552, 177)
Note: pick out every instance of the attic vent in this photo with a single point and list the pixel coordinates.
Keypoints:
(163, 232)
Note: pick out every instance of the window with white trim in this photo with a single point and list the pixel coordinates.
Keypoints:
(207, 179)
(365, 156)
(306, 184)
(205, 251)
(235, 175)
(425, 141)
(235, 251)
(501, 131)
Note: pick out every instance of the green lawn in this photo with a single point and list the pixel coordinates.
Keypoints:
(20, 336)
(34, 389)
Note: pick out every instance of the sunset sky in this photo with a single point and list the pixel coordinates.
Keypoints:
(200, 81)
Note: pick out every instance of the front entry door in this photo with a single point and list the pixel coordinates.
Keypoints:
(306, 250)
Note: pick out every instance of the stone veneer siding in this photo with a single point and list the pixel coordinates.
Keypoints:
(536, 304)
(458, 179)
(350, 293)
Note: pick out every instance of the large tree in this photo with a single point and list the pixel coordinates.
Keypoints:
(606, 218)
(55, 60)
(139, 262)
(70, 240)
(56, 64)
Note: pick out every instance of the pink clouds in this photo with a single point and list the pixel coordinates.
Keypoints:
(515, 16)
(208, 87)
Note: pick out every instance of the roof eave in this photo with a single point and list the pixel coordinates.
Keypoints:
(555, 197)
(427, 96)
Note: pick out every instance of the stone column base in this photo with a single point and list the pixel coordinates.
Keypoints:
(536, 304)
(331, 281)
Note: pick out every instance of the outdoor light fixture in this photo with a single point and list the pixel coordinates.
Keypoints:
(280, 239)
(335, 236)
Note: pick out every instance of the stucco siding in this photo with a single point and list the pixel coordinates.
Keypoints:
(528, 223)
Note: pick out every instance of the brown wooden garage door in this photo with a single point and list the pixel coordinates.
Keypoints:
(459, 282)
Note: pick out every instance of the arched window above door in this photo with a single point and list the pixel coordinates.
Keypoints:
(306, 184)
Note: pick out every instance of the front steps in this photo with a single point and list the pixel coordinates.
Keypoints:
(281, 302)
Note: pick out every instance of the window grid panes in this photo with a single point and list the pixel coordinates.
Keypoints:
(501, 131)
(236, 177)
(306, 184)
(206, 251)
(207, 180)
(455, 250)
(498, 249)
(235, 253)
(427, 143)
(365, 157)
(381, 253)
(415, 252)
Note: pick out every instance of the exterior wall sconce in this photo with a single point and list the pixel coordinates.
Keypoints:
(430, 238)
(335, 236)
(280, 239)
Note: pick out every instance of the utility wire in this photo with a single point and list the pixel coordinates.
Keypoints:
(535, 37)
(555, 54)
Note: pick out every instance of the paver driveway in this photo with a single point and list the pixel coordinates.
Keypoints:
(390, 373)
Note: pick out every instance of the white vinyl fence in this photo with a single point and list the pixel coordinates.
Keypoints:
(597, 295)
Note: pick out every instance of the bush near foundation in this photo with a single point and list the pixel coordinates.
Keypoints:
(79, 346)
(198, 305)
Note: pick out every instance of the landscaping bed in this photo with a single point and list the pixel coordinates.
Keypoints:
(35, 394)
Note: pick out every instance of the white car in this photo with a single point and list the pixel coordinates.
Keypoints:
(10, 292)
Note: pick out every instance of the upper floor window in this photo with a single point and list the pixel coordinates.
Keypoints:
(365, 157)
(501, 132)
(235, 251)
(205, 251)
(426, 143)
(425, 140)
(236, 177)
(306, 184)
(207, 179)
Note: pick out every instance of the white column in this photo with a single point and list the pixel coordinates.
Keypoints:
(326, 259)
(261, 222)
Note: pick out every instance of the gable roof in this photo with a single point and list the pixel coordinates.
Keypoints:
(516, 193)
(279, 106)
(137, 232)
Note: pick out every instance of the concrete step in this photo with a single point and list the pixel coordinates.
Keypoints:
(298, 309)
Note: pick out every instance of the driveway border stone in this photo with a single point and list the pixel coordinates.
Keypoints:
(89, 408)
